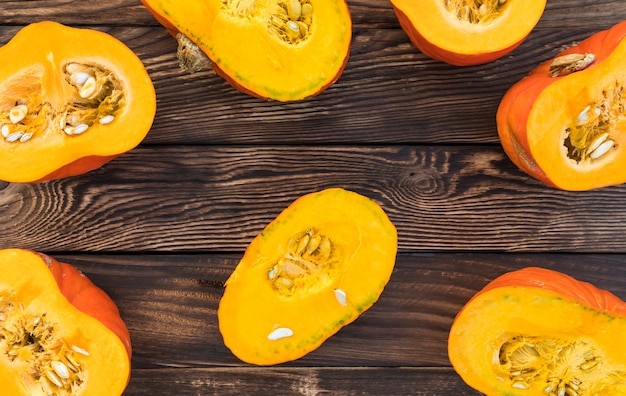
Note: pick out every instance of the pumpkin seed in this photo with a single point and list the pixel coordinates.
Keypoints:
(80, 128)
(88, 88)
(106, 119)
(341, 297)
(597, 142)
(294, 9)
(602, 149)
(80, 350)
(26, 137)
(18, 113)
(6, 130)
(281, 332)
(53, 378)
(80, 78)
(60, 369)
(14, 137)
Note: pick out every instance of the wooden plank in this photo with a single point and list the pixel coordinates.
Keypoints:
(558, 13)
(207, 198)
(387, 381)
(170, 303)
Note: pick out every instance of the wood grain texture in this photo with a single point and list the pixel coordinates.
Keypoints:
(162, 227)
(400, 381)
(209, 198)
(170, 304)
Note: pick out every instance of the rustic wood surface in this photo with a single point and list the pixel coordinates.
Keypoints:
(161, 228)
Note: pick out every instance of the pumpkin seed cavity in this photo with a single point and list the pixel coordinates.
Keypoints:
(99, 97)
(475, 12)
(556, 367)
(29, 342)
(590, 137)
(308, 265)
(290, 21)
(24, 112)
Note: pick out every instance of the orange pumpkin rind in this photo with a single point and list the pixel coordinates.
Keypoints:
(563, 123)
(467, 33)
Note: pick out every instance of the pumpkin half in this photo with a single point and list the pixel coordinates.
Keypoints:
(467, 32)
(70, 101)
(314, 269)
(540, 332)
(59, 333)
(284, 50)
(565, 123)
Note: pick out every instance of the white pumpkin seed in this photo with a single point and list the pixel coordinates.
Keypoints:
(80, 128)
(583, 117)
(80, 78)
(15, 136)
(597, 142)
(80, 350)
(88, 88)
(281, 332)
(341, 296)
(26, 137)
(72, 68)
(6, 130)
(106, 119)
(602, 149)
(60, 369)
(53, 378)
(18, 113)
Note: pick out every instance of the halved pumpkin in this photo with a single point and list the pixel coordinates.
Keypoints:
(59, 333)
(314, 269)
(540, 332)
(565, 123)
(463, 33)
(284, 50)
(70, 101)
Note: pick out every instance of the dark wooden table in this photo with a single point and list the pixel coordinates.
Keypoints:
(161, 228)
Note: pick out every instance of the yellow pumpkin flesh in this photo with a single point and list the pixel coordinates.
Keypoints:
(250, 45)
(314, 269)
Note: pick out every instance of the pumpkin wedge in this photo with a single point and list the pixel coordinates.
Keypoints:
(284, 50)
(540, 332)
(71, 100)
(59, 333)
(314, 269)
(467, 32)
(565, 123)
